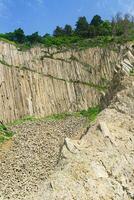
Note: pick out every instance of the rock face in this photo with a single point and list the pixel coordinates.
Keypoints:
(44, 81)
(98, 166)
(101, 164)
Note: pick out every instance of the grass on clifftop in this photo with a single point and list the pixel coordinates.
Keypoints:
(78, 43)
(7, 41)
(73, 42)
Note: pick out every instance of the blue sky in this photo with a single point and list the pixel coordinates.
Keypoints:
(44, 15)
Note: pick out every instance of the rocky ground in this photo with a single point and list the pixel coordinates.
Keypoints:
(27, 160)
(100, 166)
(97, 166)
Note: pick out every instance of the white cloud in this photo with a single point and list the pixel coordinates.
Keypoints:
(34, 3)
(39, 2)
(102, 4)
(4, 11)
(127, 6)
(123, 6)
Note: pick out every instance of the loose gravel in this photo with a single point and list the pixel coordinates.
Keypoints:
(33, 155)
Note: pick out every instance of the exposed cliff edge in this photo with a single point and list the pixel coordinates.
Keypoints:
(44, 160)
(43, 81)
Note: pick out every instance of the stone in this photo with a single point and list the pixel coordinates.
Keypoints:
(45, 81)
(101, 170)
(46, 160)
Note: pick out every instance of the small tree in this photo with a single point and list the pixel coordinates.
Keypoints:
(34, 38)
(82, 27)
(58, 31)
(128, 24)
(94, 28)
(91, 31)
(68, 30)
(19, 36)
(96, 21)
(106, 28)
(122, 25)
(46, 35)
(10, 36)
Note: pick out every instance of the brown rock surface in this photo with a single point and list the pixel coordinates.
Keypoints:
(101, 164)
(43, 81)
(98, 166)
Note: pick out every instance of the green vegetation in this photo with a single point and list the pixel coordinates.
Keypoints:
(5, 133)
(22, 120)
(91, 113)
(60, 116)
(6, 40)
(132, 72)
(97, 32)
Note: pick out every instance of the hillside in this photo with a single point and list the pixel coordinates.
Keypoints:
(101, 164)
(71, 154)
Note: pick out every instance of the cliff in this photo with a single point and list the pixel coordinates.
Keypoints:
(48, 160)
(44, 81)
(101, 164)
(70, 158)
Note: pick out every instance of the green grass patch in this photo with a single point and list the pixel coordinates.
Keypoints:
(58, 116)
(22, 120)
(7, 41)
(132, 72)
(5, 133)
(73, 42)
(91, 113)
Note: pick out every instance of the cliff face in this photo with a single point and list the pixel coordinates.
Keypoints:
(47, 160)
(101, 164)
(43, 81)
